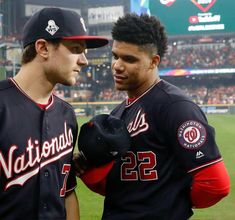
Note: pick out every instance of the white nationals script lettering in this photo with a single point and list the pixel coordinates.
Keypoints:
(138, 124)
(50, 151)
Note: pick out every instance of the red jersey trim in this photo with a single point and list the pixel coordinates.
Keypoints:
(205, 165)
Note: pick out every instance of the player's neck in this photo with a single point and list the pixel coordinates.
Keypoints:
(34, 85)
(132, 95)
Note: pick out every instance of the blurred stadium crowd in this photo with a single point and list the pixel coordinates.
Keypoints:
(215, 53)
(212, 55)
(95, 82)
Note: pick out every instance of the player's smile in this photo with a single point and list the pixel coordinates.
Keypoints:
(119, 78)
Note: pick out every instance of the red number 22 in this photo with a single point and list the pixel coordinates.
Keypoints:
(145, 172)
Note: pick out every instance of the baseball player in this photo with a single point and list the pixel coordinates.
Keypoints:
(173, 164)
(38, 130)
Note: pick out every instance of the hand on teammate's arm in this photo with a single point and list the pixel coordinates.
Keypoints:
(210, 185)
(80, 164)
(93, 177)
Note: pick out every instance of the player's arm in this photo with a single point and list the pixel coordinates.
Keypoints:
(210, 185)
(72, 207)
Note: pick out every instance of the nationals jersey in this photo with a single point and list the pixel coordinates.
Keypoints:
(36, 148)
(170, 138)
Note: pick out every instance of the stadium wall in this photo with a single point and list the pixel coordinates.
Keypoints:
(94, 108)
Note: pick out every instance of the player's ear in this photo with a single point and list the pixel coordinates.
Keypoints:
(41, 46)
(155, 61)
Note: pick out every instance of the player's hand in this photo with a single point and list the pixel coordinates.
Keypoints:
(80, 164)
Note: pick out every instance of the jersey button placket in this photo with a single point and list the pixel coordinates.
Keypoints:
(44, 172)
(44, 206)
(46, 124)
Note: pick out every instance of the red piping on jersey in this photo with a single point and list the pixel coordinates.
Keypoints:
(22, 91)
(130, 100)
(51, 102)
(205, 165)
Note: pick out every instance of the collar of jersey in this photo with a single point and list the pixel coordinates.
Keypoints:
(51, 100)
(131, 101)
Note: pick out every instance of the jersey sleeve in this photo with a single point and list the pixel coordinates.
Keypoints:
(190, 136)
(72, 180)
(210, 185)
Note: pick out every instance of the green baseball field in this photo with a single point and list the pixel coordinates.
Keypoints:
(91, 204)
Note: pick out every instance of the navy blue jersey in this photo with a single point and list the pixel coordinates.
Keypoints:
(36, 148)
(170, 138)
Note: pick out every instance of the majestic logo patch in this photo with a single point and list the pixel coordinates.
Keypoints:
(199, 154)
(52, 28)
(191, 135)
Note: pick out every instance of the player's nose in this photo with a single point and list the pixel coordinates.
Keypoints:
(118, 65)
(82, 60)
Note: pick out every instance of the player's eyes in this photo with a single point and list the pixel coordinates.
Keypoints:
(77, 50)
(115, 57)
(130, 59)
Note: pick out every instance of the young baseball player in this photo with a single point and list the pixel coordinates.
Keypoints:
(173, 164)
(38, 130)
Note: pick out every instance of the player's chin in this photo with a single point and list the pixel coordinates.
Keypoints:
(71, 81)
(120, 87)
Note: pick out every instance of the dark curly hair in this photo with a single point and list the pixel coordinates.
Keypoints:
(142, 30)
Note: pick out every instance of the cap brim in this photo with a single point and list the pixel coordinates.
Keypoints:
(91, 41)
(96, 174)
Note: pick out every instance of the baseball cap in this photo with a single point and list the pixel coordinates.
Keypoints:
(101, 141)
(95, 177)
(57, 23)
